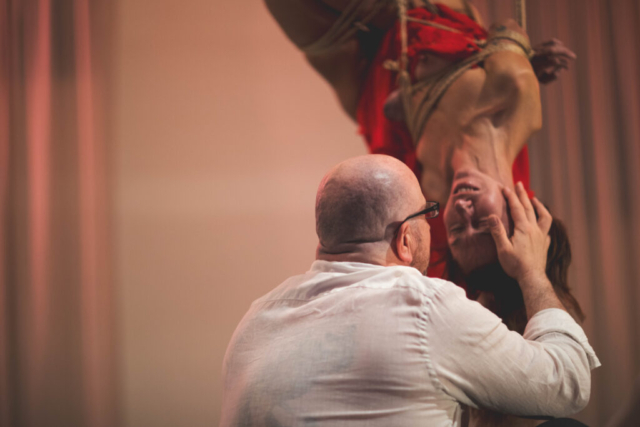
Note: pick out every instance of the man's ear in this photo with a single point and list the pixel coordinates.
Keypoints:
(393, 108)
(403, 244)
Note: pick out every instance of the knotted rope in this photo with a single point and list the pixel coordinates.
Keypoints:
(359, 12)
(434, 87)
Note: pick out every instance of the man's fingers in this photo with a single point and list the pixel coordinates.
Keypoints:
(526, 203)
(517, 210)
(498, 233)
(544, 217)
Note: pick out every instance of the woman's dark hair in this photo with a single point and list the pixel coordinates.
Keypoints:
(558, 260)
(505, 296)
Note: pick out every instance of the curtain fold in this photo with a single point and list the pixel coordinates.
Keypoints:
(57, 341)
(57, 359)
(585, 166)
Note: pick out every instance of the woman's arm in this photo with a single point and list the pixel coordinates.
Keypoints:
(512, 83)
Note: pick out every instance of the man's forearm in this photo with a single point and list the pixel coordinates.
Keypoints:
(538, 294)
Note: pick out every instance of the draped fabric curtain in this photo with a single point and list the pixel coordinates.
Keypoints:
(56, 313)
(585, 164)
(57, 357)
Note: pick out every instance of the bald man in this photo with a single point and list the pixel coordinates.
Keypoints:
(364, 338)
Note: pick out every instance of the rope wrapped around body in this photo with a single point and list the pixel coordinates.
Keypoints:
(434, 29)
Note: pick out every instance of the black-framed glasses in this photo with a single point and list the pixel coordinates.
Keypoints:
(431, 211)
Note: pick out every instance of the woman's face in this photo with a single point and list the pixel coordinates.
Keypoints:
(474, 197)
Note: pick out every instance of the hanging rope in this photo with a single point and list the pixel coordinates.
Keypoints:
(521, 13)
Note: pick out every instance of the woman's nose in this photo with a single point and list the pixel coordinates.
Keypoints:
(464, 207)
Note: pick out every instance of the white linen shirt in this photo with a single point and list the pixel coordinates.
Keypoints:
(354, 344)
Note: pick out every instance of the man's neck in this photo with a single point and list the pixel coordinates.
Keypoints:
(368, 253)
(352, 257)
(349, 253)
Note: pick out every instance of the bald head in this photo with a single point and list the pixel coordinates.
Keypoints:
(359, 198)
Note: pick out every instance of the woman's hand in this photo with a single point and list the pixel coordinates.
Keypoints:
(549, 58)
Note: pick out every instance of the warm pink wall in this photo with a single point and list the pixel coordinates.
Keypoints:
(222, 133)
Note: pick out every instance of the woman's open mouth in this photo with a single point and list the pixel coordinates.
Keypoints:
(465, 187)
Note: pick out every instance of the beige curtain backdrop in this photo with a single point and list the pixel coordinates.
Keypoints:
(56, 357)
(585, 164)
(141, 214)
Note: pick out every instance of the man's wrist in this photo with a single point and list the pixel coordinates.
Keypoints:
(538, 293)
(534, 279)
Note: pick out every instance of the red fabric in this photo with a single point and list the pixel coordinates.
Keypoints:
(392, 138)
(447, 44)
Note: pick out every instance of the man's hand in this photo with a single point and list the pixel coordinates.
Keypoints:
(524, 256)
(549, 58)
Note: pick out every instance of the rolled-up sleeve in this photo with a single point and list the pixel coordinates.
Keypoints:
(478, 361)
